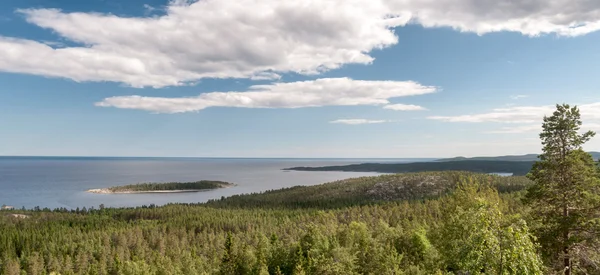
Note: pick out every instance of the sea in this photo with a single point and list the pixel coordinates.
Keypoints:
(62, 182)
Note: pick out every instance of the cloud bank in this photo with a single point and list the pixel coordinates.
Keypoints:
(261, 39)
(520, 114)
(313, 93)
(205, 39)
(525, 118)
(531, 17)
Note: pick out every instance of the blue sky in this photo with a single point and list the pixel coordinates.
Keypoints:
(266, 78)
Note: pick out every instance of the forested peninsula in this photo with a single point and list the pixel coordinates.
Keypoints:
(517, 168)
(170, 187)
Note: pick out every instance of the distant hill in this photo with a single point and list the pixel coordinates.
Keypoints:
(528, 157)
(517, 168)
(367, 190)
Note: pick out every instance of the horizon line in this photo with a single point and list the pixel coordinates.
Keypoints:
(206, 157)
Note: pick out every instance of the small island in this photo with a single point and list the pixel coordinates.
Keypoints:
(170, 187)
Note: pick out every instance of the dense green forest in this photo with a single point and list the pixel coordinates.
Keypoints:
(517, 168)
(196, 185)
(391, 224)
(449, 222)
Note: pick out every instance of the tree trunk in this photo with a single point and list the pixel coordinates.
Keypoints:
(567, 259)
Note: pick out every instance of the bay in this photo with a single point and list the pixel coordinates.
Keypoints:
(55, 182)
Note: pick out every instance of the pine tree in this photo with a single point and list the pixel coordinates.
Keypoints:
(565, 196)
(12, 267)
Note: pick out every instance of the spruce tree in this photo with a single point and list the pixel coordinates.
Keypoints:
(228, 265)
(565, 197)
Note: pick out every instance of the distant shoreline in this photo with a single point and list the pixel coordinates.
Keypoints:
(517, 168)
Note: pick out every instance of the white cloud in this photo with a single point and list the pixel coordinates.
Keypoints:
(265, 76)
(515, 97)
(357, 121)
(205, 39)
(312, 93)
(531, 17)
(521, 114)
(245, 38)
(525, 119)
(404, 107)
(503, 115)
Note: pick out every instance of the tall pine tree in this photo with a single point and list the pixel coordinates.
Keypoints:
(565, 197)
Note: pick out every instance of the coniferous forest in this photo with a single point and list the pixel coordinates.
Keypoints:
(447, 222)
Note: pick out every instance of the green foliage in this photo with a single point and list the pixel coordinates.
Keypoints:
(373, 225)
(565, 197)
(228, 263)
(476, 237)
(518, 251)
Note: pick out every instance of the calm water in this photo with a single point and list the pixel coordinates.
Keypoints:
(62, 182)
